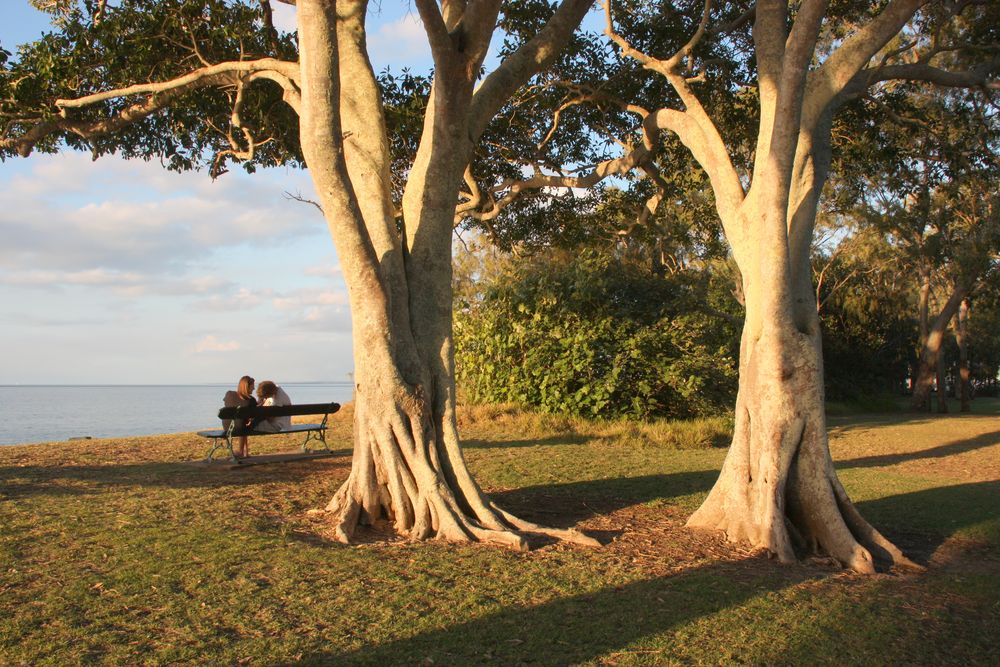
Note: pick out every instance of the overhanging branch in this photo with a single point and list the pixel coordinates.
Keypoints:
(200, 78)
(530, 58)
(158, 96)
(693, 126)
(985, 76)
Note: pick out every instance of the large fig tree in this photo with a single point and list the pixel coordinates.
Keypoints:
(789, 67)
(182, 79)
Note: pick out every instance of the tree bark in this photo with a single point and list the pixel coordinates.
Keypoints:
(941, 382)
(920, 401)
(778, 488)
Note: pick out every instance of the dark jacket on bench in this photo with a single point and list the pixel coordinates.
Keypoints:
(233, 400)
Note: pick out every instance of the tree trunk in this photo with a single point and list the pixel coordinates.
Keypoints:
(931, 352)
(407, 467)
(778, 488)
(926, 373)
(920, 401)
(962, 337)
(941, 380)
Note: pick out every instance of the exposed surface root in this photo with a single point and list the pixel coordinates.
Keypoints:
(343, 514)
(562, 534)
(778, 491)
(881, 548)
(402, 474)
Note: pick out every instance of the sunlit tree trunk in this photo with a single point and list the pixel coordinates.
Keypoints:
(778, 488)
(408, 468)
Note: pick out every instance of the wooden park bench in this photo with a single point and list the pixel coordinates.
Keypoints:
(237, 417)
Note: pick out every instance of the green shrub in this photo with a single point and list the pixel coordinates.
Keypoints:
(594, 336)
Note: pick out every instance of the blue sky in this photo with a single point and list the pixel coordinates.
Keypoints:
(121, 272)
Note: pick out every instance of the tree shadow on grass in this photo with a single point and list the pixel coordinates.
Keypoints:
(77, 480)
(922, 521)
(941, 451)
(563, 505)
(578, 628)
(839, 424)
(633, 623)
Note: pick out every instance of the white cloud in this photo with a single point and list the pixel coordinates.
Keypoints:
(315, 309)
(400, 43)
(120, 217)
(322, 319)
(304, 298)
(283, 16)
(203, 285)
(91, 277)
(212, 344)
(58, 320)
(228, 301)
(74, 173)
(124, 283)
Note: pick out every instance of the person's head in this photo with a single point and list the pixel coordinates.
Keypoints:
(267, 389)
(245, 387)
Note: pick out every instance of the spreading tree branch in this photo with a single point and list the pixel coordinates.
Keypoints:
(437, 32)
(530, 58)
(303, 200)
(693, 126)
(236, 150)
(836, 73)
(984, 76)
(158, 96)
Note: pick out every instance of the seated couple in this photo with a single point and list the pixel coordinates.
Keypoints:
(268, 393)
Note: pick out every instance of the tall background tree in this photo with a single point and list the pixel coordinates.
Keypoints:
(928, 193)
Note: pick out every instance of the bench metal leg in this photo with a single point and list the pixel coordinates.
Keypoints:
(319, 436)
(211, 450)
(217, 444)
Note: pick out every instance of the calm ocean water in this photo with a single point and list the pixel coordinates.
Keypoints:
(43, 413)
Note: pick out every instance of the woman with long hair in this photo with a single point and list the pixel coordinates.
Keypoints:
(241, 397)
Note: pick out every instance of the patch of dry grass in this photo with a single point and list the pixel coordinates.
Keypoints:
(672, 434)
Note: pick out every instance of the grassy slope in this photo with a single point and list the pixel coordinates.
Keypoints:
(117, 552)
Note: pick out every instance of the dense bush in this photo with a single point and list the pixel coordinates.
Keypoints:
(592, 335)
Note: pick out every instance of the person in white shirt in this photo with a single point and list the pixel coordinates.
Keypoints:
(268, 393)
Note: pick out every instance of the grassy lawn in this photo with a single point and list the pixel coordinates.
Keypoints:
(119, 552)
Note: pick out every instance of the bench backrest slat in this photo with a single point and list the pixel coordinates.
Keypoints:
(251, 411)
